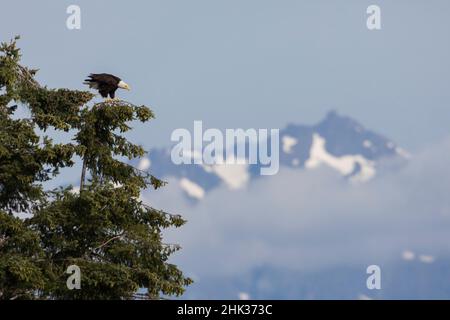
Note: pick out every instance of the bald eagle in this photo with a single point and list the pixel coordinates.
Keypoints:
(106, 84)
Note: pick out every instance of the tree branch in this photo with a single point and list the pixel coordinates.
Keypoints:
(109, 240)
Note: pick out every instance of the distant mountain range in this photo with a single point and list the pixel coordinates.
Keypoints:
(337, 141)
(402, 280)
(358, 155)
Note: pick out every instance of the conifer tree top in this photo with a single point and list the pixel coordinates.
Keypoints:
(105, 228)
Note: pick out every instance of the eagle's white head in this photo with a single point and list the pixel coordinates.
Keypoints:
(123, 85)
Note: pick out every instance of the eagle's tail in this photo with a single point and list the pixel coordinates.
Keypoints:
(91, 83)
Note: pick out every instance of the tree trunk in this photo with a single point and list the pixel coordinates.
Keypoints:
(83, 173)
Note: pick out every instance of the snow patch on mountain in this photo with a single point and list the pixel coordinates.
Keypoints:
(426, 258)
(288, 142)
(243, 296)
(337, 141)
(346, 165)
(235, 176)
(367, 144)
(408, 255)
(192, 189)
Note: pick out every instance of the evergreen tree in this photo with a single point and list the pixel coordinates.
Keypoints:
(105, 228)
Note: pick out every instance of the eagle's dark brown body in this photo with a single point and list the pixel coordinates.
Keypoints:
(105, 83)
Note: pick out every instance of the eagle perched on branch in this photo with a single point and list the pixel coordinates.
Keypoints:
(106, 84)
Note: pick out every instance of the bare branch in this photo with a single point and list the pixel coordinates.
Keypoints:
(109, 240)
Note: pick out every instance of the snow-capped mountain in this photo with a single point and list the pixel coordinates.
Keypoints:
(337, 141)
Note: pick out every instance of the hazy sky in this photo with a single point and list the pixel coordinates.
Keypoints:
(253, 63)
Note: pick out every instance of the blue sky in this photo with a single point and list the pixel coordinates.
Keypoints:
(254, 63)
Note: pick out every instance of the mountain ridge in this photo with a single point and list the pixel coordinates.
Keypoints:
(337, 141)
